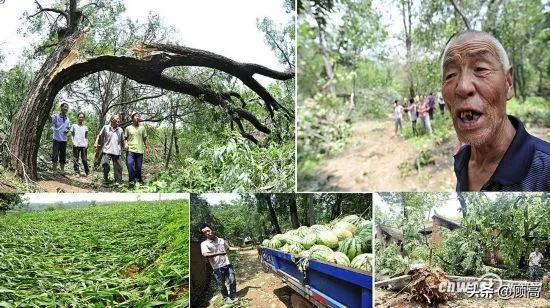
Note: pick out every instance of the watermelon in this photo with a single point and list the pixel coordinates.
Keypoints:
(346, 225)
(279, 237)
(275, 243)
(305, 253)
(340, 258)
(363, 262)
(322, 254)
(308, 240)
(291, 239)
(342, 234)
(352, 219)
(352, 247)
(319, 228)
(365, 224)
(295, 248)
(320, 247)
(265, 242)
(328, 239)
(285, 248)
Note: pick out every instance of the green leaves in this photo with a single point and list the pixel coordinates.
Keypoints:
(132, 254)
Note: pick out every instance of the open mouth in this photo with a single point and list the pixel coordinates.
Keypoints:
(469, 116)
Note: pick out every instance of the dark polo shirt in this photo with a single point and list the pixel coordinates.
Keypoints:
(524, 167)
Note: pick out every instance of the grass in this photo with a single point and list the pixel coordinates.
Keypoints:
(534, 111)
(128, 254)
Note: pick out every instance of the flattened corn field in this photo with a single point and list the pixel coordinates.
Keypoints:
(114, 255)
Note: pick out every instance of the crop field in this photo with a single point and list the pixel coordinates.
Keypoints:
(114, 255)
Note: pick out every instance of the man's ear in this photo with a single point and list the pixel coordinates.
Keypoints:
(509, 74)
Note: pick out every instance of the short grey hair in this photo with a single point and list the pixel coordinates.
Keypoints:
(503, 56)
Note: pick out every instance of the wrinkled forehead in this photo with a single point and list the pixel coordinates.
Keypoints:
(473, 46)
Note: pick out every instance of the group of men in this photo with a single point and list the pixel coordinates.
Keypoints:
(112, 139)
(417, 108)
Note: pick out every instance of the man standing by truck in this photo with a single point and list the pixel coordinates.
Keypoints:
(535, 262)
(215, 249)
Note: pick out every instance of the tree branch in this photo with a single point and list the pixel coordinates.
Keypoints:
(457, 9)
(153, 59)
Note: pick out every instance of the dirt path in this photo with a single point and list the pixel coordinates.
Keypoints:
(255, 287)
(373, 162)
(69, 183)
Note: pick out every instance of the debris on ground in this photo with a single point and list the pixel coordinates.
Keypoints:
(424, 285)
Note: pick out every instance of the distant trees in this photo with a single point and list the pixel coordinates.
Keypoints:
(260, 216)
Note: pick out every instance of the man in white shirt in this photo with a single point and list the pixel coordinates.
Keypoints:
(79, 136)
(112, 140)
(215, 249)
(535, 262)
(398, 117)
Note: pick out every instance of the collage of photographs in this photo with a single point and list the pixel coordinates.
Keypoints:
(276, 153)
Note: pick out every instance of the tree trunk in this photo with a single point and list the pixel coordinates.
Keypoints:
(337, 207)
(147, 68)
(169, 154)
(272, 214)
(406, 14)
(293, 212)
(463, 205)
(26, 130)
(326, 60)
(310, 209)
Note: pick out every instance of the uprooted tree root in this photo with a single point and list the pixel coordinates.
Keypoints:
(424, 285)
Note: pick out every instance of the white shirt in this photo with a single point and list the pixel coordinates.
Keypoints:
(398, 112)
(79, 135)
(535, 259)
(216, 246)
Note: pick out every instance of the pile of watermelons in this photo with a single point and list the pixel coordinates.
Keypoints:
(346, 241)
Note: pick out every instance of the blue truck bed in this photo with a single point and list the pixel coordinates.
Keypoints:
(323, 284)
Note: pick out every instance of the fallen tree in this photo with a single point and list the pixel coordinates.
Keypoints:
(146, 66)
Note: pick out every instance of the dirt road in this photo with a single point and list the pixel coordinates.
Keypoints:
(255, 287)
(374, 160)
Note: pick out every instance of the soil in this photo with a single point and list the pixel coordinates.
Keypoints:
(387, 299)
(372, 159)
(255, 287)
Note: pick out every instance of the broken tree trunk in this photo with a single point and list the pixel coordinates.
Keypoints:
(147, 67)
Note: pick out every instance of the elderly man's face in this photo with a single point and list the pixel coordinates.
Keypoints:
(475, 88)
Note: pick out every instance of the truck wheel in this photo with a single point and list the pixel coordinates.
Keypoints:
(297, 301)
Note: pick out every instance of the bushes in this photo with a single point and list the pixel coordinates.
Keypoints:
(460, 253)
(322, 130)
(235, 166)
(388, 259)
(533, 111)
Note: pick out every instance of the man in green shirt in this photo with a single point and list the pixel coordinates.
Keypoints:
(135, 143)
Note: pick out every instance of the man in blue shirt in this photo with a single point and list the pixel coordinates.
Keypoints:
(499, 155)
(60, 127)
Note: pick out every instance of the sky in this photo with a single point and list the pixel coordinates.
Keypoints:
(46, 198)
(224, 27)
(217, 198)
(448, 209)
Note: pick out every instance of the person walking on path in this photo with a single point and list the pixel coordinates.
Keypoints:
(112, 140)
(135, 143)
(441, 103)
(215, 249)
(79, 137)
(535, 262)
(423, 114)
(60, 127)
(398, 117)
(431, 105)
(413, 113)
